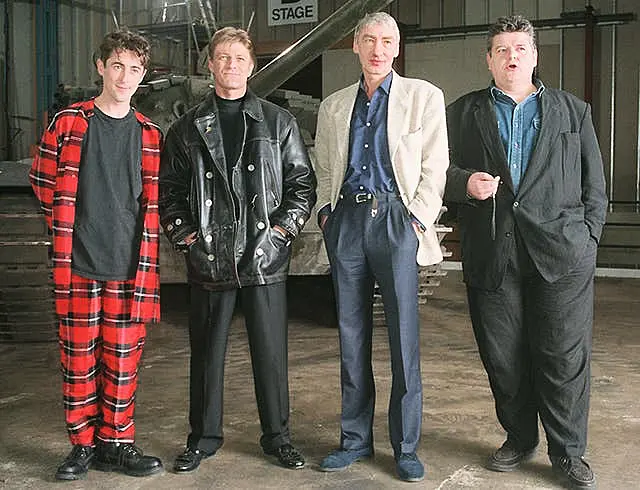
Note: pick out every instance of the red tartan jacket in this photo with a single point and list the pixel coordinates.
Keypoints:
(54, 178)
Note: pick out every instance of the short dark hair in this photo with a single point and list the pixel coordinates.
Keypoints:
(125, 40)
(232, 35)
(513, 23)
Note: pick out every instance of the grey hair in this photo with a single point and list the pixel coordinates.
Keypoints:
(513, 23)
(377, 18)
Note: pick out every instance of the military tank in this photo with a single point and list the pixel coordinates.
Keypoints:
(164, 97)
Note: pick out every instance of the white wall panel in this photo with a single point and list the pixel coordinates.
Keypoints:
(528, 8)
(548, 9)
(499, 8)
(340, 68)
(475, 13)
(457, 66)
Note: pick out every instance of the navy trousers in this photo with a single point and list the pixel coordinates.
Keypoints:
(534, 338)
(368, 242)
(265, 311)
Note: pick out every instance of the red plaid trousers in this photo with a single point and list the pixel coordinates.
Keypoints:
(100, 352)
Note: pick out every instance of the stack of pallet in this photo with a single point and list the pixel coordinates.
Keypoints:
(303, 107)
(27, 311)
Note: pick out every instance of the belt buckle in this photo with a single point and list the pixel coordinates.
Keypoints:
(361, 197)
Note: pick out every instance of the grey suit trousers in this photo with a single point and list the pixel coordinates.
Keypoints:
(365, 247)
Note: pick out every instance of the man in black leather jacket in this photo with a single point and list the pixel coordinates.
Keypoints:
(236, 187)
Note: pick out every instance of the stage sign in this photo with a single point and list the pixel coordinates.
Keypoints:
(284, 12)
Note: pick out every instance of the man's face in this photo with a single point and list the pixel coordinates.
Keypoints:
(376, 46)
(121, 75)
(231, 66)
(512, 59)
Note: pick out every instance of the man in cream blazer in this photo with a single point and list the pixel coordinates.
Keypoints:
(382, 155)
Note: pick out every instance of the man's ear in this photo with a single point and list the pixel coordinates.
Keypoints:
(100, 67)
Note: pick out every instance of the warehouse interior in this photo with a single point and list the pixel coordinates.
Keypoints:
(588, 48)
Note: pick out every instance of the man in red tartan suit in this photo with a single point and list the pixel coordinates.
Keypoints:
(96, 176)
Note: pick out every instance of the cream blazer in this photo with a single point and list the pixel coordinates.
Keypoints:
(417, 132)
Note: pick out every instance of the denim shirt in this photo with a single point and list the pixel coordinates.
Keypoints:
(518, 125)
(369, 165)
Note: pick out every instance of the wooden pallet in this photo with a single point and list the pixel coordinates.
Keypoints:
(27, 309)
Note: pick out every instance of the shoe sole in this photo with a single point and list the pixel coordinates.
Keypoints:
(106, 467)
(413, 480)
(495, 465)
(333, 469)
(186, 470)
(276, 461)
(70, 477)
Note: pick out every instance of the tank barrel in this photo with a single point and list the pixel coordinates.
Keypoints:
(315, 42)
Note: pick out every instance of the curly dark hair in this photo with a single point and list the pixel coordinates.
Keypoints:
(125, 40)
(513, 23)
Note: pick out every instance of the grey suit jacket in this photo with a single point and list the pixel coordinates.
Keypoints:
(560, 204)
(417, 134)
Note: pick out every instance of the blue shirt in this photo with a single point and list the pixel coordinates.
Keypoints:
(369, 167)
(518, 125)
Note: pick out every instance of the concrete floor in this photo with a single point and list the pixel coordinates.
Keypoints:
(459, 428)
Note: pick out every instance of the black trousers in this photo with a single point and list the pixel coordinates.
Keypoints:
(363, 248)
(534, 338)
(265, 311)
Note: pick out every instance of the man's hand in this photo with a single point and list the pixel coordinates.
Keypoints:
(189, 239)
(281, 230)
(323, 221)
(482, 185)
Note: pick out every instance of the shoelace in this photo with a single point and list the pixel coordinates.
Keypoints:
(80, 452)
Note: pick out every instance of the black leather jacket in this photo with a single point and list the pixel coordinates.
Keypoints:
(273, 183)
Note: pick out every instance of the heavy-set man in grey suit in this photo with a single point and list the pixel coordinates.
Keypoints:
(382, 155)
(526, 178)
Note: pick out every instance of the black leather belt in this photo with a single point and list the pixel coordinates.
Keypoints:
(359, 198)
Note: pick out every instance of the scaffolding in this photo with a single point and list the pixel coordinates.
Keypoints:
(186, 25)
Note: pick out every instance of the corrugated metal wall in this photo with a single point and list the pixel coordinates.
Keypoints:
(3, 84)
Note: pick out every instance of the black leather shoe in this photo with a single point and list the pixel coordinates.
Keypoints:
(125, 458)
(76, 464)
(508, 458)
(576, 469)
(288, 456)
(190, 459)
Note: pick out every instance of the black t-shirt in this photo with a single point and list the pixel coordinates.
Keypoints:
(231, 124)
(108, 223)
